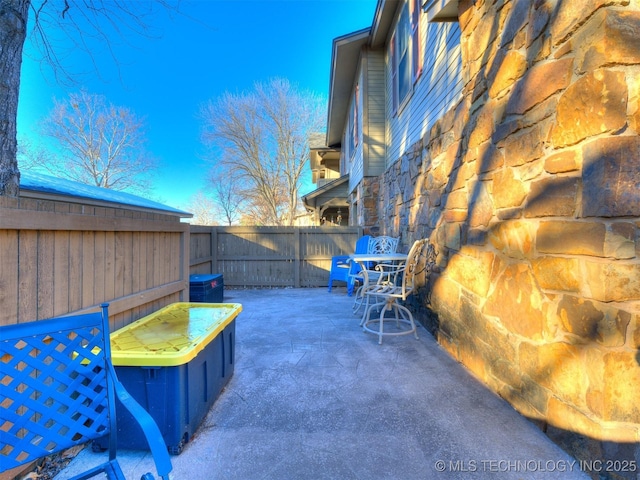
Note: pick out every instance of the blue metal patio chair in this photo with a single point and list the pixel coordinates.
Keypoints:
(344, 270)
(59, 389)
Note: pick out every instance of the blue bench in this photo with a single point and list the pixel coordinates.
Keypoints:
(59, 390)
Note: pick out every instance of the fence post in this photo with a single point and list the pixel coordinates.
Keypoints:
(298, 263)
(214, 250)
(185, 259)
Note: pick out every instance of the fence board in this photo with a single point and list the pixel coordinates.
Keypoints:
(120, 259)
(98, 272)
(136, 270)
(147, 254)
(88, 260)
(61, 257)
(27, 276)
(109, 271)
(76, 258)
(45, 274)
(8, 270)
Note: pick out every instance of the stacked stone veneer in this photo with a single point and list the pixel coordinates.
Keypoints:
(530, 188)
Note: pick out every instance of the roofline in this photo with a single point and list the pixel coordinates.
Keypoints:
(382, 21)
(60, 197)
(326, 187)
(345, 61)
(345, 54)
(45, 187)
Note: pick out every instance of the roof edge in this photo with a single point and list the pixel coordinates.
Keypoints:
(44, 187)
(326, 187)
(344, 64)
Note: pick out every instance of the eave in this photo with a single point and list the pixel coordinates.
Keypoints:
(344, 65)
(345, 60)
(441, 10)
(310, 199)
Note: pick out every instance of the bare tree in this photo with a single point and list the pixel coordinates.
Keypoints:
(33, 157)
(75, 21)
(95, 28)
(227, 197)
(203, 209)
(103, 144)
(13, 30)
(263, 137)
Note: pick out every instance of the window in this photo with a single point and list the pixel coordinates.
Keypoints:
(416, 51)
(406, 58)
(354, 130)
(404, 61)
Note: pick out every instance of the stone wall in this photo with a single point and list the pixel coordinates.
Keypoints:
(530, 188)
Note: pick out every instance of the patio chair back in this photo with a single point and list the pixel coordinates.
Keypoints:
(58, 390)
(421, 249)
(383, 244)
(377, 245)
(394, 284)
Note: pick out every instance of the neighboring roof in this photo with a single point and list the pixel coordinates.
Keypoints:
(318, 153)
(45, 185)
(311, 198)
(317, 140)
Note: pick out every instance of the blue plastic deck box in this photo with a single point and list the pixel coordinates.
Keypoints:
(206, 288)
(174, 362)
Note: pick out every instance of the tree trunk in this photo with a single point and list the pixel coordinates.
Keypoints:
(13, 30)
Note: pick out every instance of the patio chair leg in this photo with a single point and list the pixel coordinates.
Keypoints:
(367, 311)
(350, 287)
(359, 300)
(365, 315)
(381, 326)
(409, 317)
(399, 311)
(396, 310)
(357, 303)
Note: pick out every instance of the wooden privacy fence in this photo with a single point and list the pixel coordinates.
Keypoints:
(59, 257)
(68, 255)
(269, 256)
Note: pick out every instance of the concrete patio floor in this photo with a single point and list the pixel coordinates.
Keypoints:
(314, 397)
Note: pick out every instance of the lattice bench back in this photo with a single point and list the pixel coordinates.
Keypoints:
(55, 390)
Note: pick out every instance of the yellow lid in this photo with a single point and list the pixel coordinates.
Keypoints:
(171, 336)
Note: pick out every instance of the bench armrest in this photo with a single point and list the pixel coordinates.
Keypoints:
(147, 424)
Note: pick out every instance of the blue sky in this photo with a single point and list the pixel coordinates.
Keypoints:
(227, 45)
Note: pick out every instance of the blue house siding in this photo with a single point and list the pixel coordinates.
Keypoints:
(437, 89)
(368, 159)
(362, 72)
(374, 111)
(355, 159)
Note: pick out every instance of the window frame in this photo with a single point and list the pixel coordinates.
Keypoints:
(354, 123)
(411, 57)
